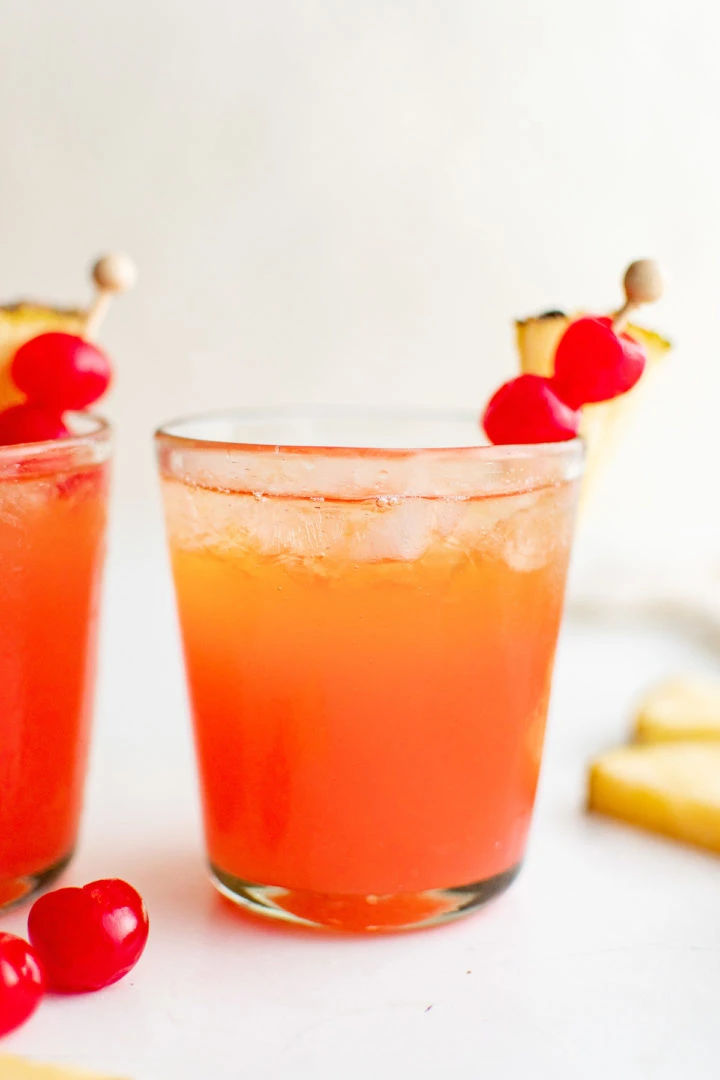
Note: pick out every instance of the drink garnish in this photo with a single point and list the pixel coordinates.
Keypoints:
(55, 368)
(88, 938)
(527, 410)
(80, 940)
(22, 982)
(61, 371)
(595, 360)
(28, 423)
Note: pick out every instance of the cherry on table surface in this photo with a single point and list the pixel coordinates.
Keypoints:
(22, 982)
(594, 363)
(61, 370)
(88, 938)
(30, 423)
(526, 410)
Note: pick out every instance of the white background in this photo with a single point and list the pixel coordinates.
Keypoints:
(351, 201)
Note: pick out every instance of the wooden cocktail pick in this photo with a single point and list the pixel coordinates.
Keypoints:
(643, 284)
(115, 273)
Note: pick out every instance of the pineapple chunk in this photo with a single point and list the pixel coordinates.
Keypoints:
(602, 424)
(680, 709)
(18, 323)
(668, 788)
(537, 339)
(15, 1068)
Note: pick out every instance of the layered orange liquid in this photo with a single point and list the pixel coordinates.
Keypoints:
(51, 546)
(369, 682)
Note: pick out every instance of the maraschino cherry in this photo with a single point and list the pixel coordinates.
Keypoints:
(527, 410)
(28, 423)
(61, 371)
(22, 982)
(595, 361)
(88, 938)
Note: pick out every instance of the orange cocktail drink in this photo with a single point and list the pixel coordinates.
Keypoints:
(369, 638)
(52, 521)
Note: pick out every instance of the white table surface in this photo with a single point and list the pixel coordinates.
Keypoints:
(603, 960)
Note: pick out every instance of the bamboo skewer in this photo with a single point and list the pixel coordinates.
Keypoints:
(112, 274)
(643, 284)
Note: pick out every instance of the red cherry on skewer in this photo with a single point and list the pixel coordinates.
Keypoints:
(22, 982)
(594, 363)
(61, 370)
(30, 423)
(88, 938)
(527, 410)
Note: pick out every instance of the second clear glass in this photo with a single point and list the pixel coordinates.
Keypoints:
(53, 507)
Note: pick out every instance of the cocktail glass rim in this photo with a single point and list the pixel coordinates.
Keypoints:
(89, 442)
(173, 432)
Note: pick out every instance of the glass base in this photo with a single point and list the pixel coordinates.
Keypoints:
(16, 890)
(336, 911)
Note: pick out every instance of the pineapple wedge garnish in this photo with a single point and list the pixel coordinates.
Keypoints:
(680, 710)
(15, 1068)
(602, 424)
(668, 788)
(19, 323)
